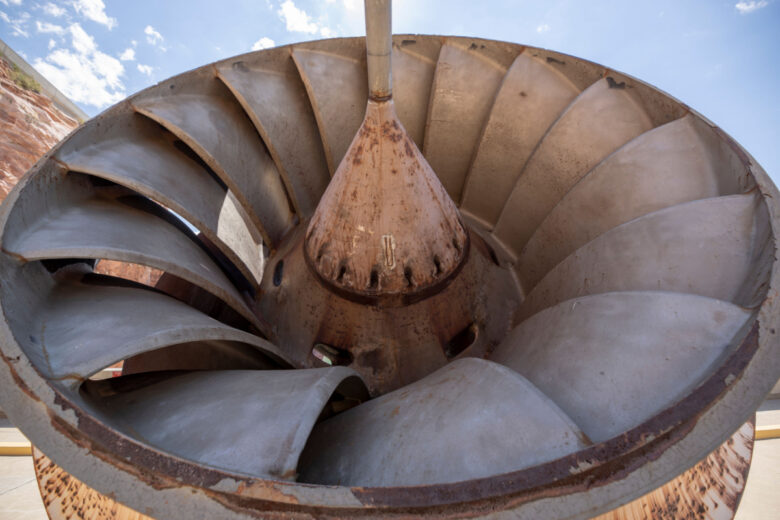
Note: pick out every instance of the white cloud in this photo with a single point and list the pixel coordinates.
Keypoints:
(52, 44)
(153, 37)
(53, 10)
(82, 42)
(145, 69)
(746, 7)
(94, 10)
(543, 28)
(352, 5)
(84, 73)
(46, 27)
(11, 2)
(263, 43)
(128, 54)
(296, 19)
(18, 25)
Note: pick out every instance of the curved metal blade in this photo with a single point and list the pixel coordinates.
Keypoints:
(668, 165)
(135, 152)
(414, 66)
(531, 97)
(613, 360)
(270, 89)
(335, 79)
(254, 422)
(82, 328)
(600, 120)
(465, 84)
(703, 247)
(93, 226)
(469, 419)
(205, 115)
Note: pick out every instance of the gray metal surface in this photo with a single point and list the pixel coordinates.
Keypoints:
(531, 97)
(611, 360)
(203, 114)
(466, 81)
(271, 91)
(207, 416)
(703, 247)
(79, 329)
(598, 121)
(458, 423)
(89, 227)
(668, 165)
(130, 150)
(335, 78)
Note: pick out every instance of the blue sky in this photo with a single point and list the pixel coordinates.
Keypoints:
(718, 56)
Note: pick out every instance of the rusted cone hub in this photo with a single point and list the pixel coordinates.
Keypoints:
(385, 231)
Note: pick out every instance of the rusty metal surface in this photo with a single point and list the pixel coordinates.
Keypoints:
(366, 236)
(392, 345)
(578, 485)
(711, 490)
(65, 497)
(455, 424)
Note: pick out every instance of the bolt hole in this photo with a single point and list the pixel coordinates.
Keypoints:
(408, 276)
(331, 355)
(437, 264)
(461, 341)
(373, 282)
(278, 273)
(342, 272)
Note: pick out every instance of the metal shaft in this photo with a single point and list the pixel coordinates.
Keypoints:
(379, 47)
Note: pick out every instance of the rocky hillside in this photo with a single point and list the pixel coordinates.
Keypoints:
(30, 124)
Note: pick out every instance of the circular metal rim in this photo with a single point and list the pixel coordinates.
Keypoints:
(579, 485)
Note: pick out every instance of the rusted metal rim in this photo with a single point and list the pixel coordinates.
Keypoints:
(611, 472)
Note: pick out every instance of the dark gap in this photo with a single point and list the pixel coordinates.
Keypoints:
(191, 154)
(278, 273)
(342, 272)
(456, 245)
(492, 253)
(55, 264)
(437, 264)
(408, 276)
(374, 280)
(461, 341)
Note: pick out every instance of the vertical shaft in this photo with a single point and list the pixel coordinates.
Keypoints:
(379, 48)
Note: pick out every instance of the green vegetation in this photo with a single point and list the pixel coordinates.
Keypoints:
(23, 80)
(20, 78)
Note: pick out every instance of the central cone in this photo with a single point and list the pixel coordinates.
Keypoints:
(385, 229)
